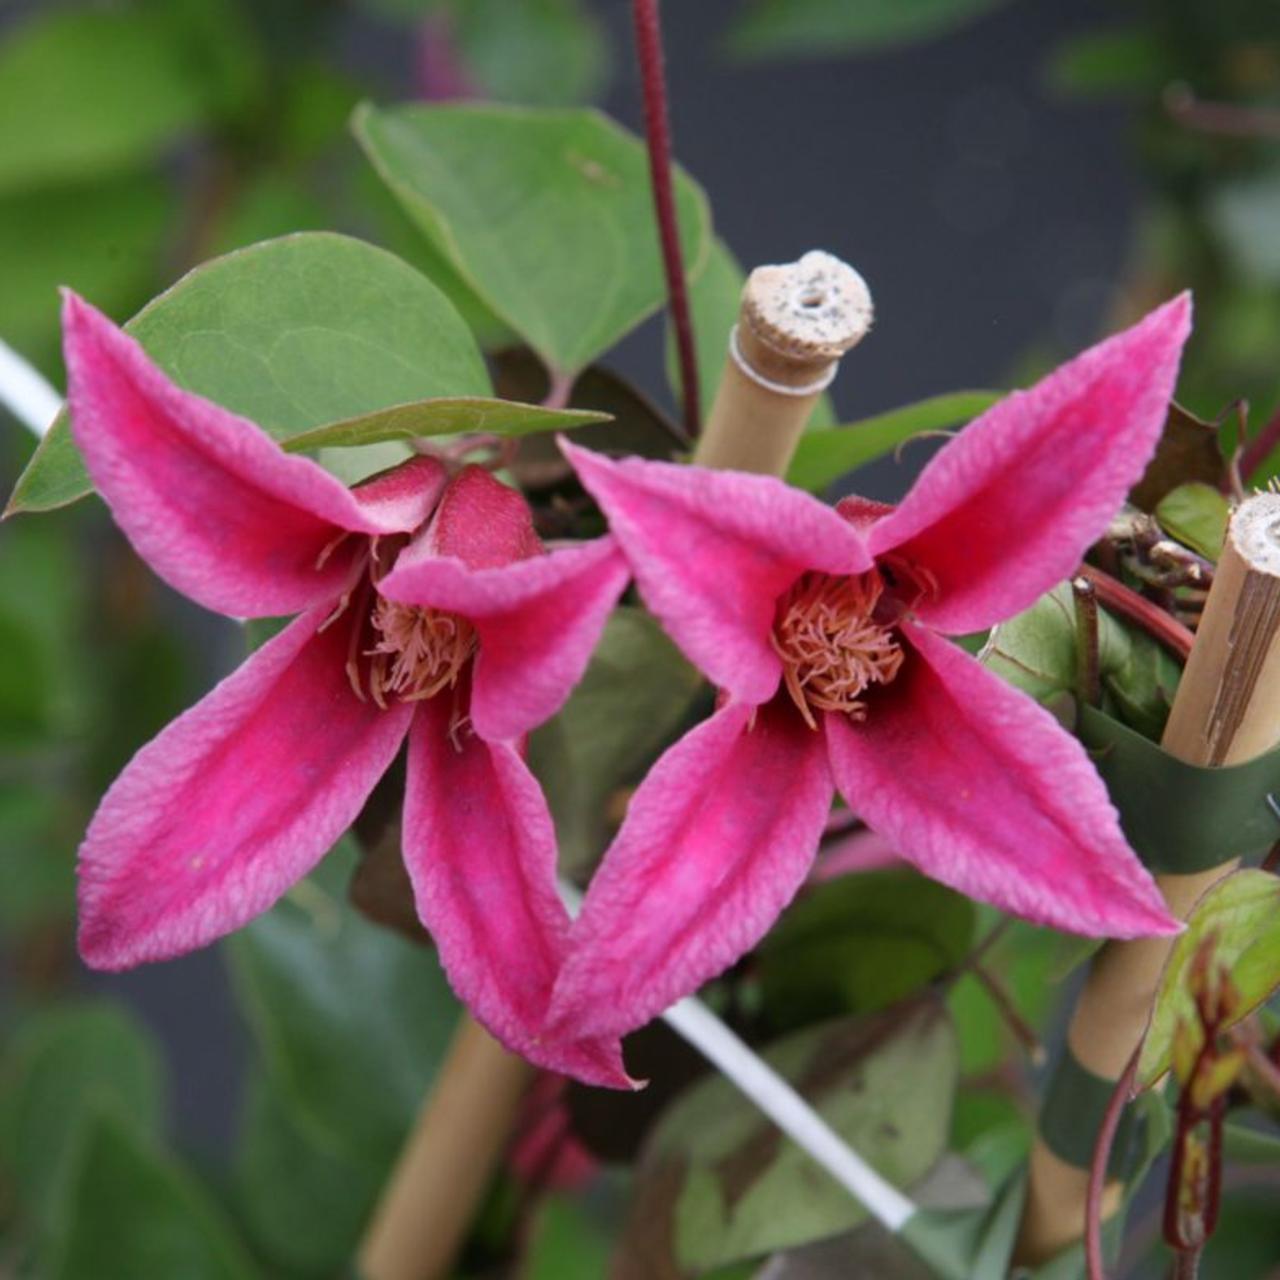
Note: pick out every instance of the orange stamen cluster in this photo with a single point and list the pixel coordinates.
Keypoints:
(419, 651)
(831, 646)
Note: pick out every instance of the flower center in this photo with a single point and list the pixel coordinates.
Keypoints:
(417, 651)
(832, 646)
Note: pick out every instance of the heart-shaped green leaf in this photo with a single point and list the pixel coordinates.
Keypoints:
(303, 1204)
(352, 1020)
(860, 943)
(1196, 514)
(545, 214)
(636, 690)
(293, 333)
(83, 93)
(1242, 914)
(131, 1211)
(721, 1183)
(58, 1068)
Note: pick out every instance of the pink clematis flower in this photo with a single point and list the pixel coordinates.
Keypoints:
(825, 629)
(242, 795)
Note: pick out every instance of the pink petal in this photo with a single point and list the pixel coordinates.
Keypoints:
(481, 852)
(537, 620)
(482, 522)
(235, 801)
(863, 513)
(859, 851)
(207, 498)
(715, 843)
(983, 790)
(712, 551)
(401, 499)
(1008, 507)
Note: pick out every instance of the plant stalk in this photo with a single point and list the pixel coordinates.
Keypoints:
(648, 34)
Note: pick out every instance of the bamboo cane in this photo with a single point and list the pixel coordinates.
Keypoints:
(428, 1203)
(795, 323)
(1226, 711)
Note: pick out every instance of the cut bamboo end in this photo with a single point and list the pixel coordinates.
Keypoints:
(1226, 711)
(795, 323)
(1231, 710)
(432, 1195)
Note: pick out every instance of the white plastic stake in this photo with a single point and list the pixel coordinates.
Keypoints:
(25, 393)
(692, 1020)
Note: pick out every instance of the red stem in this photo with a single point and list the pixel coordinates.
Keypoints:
(1254, 453)
(648, 28)
(1098, 1169)
(1114, 595)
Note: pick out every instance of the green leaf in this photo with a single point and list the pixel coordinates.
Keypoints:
(1243, 1144)
(824, 456)
(636, 692)
(567, 1243)
(1036, 652)
(442, 417)
(293, 334)
(107, 240)
(87, 92)
(1242, 913)
(352, 1020)
(1023, 960)
(1106, 63)
(827, 28)
(730, 1186)
(303, 1205)
(542, 52)
(861, 943)
(715, 298)
(546, 215)
(1196, 514)
(57, 1071)
(129, 1211)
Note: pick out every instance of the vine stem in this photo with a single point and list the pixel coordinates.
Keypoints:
(1098, 1169)
(1253, 453)
(648, 29)
(1160, 626)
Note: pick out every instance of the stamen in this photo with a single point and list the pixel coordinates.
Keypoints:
(831, 645)
(419, 651)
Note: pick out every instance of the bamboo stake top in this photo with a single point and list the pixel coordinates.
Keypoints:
(1255, 529)
(806, 313)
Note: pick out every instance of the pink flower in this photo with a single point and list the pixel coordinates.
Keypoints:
(428, 612)
(825, 631)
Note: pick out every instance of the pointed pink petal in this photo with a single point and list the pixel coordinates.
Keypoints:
(537, 620)
(481, 852)
(235, 801)
(715, 843)
(712, 551)
(207, 498)
(1008, 507)
(482, 522)
(982, 789)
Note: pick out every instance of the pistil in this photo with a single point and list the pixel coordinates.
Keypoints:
(418, 653)
(831, 645)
